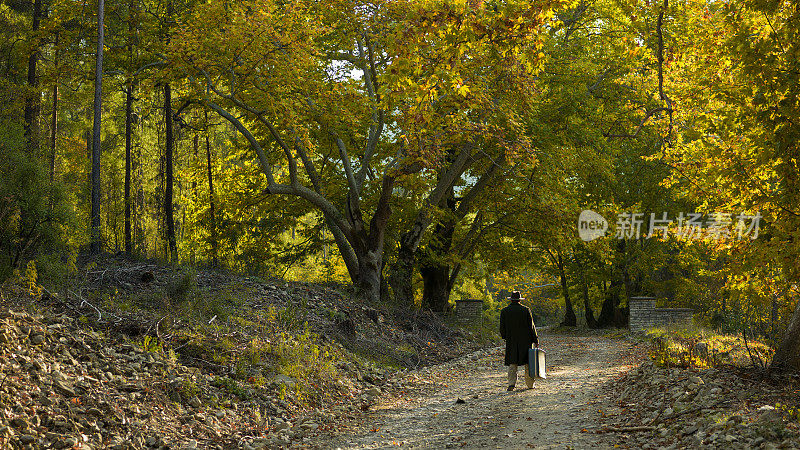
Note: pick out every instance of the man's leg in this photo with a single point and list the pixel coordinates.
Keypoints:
(512, 376)
(528, 380)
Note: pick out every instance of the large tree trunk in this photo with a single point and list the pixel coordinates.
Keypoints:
(98, 99)
(610, 303)
(169, 215)
(570, 320)
(369, 275)
(367, 243)
(361, 247)
(435, 271)
(402, 271)
(401, 278)
(32, 100)
(438, 277)
(787, 356)
(436, 284)
(610, 313)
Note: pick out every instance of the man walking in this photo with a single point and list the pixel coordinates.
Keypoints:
(519, 332)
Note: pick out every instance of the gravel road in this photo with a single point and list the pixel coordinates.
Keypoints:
(561, 411)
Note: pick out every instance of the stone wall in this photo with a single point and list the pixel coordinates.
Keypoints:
(644, 314)
(469, 310)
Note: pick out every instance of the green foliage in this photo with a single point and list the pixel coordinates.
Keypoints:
(34, 214)
(304, 358)
(151, 344)
(55, 270)
(233, 387)
(792, 412)
(693, 346)
(284, 318)
(184, 288)
(188, 389)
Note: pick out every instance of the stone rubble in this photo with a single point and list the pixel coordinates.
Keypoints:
(70, 377)
(688, 408)
(64, 385)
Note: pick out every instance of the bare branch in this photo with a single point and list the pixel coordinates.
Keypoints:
(661, 93)
(480, 185)
(262, 157)
(376, 127)
(641, 124)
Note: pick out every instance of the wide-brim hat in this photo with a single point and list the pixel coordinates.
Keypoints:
(516, 296)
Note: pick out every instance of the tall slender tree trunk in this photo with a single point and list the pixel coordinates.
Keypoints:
(128, 145)
(587, 307)
(129, 130)
(54, 118)
(138, 210)
(98, 99)
(168, 188)
(570, 320)
(53, 133)
(212, 215)
(32, 99)
(610, 314)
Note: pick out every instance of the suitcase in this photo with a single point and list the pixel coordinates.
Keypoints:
(536, 365)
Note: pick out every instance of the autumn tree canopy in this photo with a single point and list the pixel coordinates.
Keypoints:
(420, 151)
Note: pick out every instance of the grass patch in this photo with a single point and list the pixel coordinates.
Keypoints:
(692, 346)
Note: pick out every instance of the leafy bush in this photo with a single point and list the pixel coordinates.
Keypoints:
(34, 213)
(184, 288)
(55, 270)
(692, 346)
(304, 358)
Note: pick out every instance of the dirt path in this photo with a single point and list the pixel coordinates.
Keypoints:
(552, 415)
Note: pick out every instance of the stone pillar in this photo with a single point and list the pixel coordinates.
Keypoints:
(641, 313)
(469, 310)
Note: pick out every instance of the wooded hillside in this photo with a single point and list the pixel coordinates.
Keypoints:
(420, 151)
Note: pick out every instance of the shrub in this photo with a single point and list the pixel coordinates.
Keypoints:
(692, 346)
(34, 213)
(182, 289)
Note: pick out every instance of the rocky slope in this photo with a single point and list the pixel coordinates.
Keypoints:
(659, 407)
(117, 361)
(64, 385)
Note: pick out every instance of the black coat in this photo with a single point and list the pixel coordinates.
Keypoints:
(519, 332)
